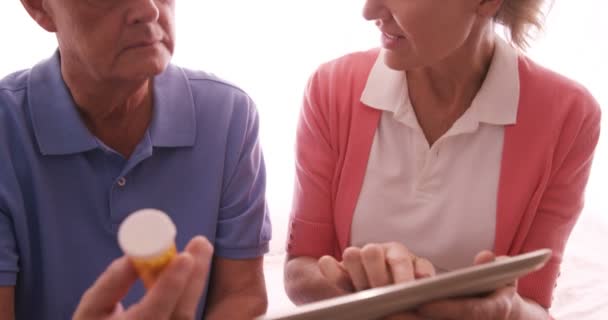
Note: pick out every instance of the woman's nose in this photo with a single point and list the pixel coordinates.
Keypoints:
(375, 10)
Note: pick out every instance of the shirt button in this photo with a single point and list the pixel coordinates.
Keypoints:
(121, 181)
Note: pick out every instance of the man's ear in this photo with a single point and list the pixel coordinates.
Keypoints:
(39, 11)
(489, 8)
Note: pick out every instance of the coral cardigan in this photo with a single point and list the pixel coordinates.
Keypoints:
(545, 164)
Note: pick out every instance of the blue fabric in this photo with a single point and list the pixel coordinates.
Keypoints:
(60, 201)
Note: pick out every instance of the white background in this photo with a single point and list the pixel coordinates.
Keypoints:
(270, 47)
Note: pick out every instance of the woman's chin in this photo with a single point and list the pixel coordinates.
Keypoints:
(397, 61)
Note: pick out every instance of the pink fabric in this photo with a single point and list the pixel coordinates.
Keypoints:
(546, 161)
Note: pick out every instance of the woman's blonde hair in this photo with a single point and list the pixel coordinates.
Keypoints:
(521, 18)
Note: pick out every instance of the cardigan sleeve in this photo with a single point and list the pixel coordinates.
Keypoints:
(311, 227)
(562, 201)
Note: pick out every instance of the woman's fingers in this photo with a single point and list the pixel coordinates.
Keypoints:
(423, 268)
(489, 256)
(335, 273)
(375, 265)
(353, 263)
(498, 305)
(484, 257)
(400, 262)
(404, 316)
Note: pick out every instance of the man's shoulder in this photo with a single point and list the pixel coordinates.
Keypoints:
(13, 94)
(219, 107)
(207, 82)
(215, 97)
(16, 81)
(12, 90)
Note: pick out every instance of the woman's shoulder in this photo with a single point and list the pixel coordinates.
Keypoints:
(554, 109)
(355, 59)
(354, 66)
(336, 84)
(548, 89)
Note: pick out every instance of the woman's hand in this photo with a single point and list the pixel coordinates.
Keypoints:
(503, 304)
(376, 265)
(175, 295)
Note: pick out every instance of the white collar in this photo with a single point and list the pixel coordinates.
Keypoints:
(496, 102)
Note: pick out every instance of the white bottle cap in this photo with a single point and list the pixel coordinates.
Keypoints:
(146, 234)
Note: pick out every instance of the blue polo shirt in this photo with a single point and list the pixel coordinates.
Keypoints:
(63, 193)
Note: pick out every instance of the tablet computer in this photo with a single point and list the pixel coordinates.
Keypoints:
(379, 302)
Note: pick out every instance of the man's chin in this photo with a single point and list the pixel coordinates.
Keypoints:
(144, 69)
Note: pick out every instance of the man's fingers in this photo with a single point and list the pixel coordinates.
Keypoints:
(399, 260)
(160, 301)
(354, 265)
(335, 273)
(111, 286)
(375, 265)
(202, 252)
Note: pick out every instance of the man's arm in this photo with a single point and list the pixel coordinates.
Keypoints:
(7, 303)
(236, 289)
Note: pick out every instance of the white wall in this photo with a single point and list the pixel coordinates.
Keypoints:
(270, 47)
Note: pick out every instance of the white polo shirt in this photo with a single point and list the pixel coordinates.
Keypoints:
(440, 201)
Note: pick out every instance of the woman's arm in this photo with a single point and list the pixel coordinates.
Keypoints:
(562, 200)
(311, 229)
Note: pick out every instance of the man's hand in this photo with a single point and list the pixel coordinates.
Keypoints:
(175, 295)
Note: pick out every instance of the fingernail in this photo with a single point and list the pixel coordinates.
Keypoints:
(205, 244)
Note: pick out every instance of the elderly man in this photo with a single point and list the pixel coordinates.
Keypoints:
(105, 127)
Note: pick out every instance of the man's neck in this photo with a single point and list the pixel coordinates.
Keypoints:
(117, 112)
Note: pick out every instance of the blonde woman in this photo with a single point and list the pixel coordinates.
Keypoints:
(446, 147)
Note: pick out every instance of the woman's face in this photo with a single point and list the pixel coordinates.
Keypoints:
(417, 33)
(115, 38)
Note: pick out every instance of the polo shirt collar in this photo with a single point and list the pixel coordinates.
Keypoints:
(174, 120)
(60, 130)
(496, 102)
(57, 124)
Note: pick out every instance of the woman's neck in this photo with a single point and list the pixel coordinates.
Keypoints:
(455, 80)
